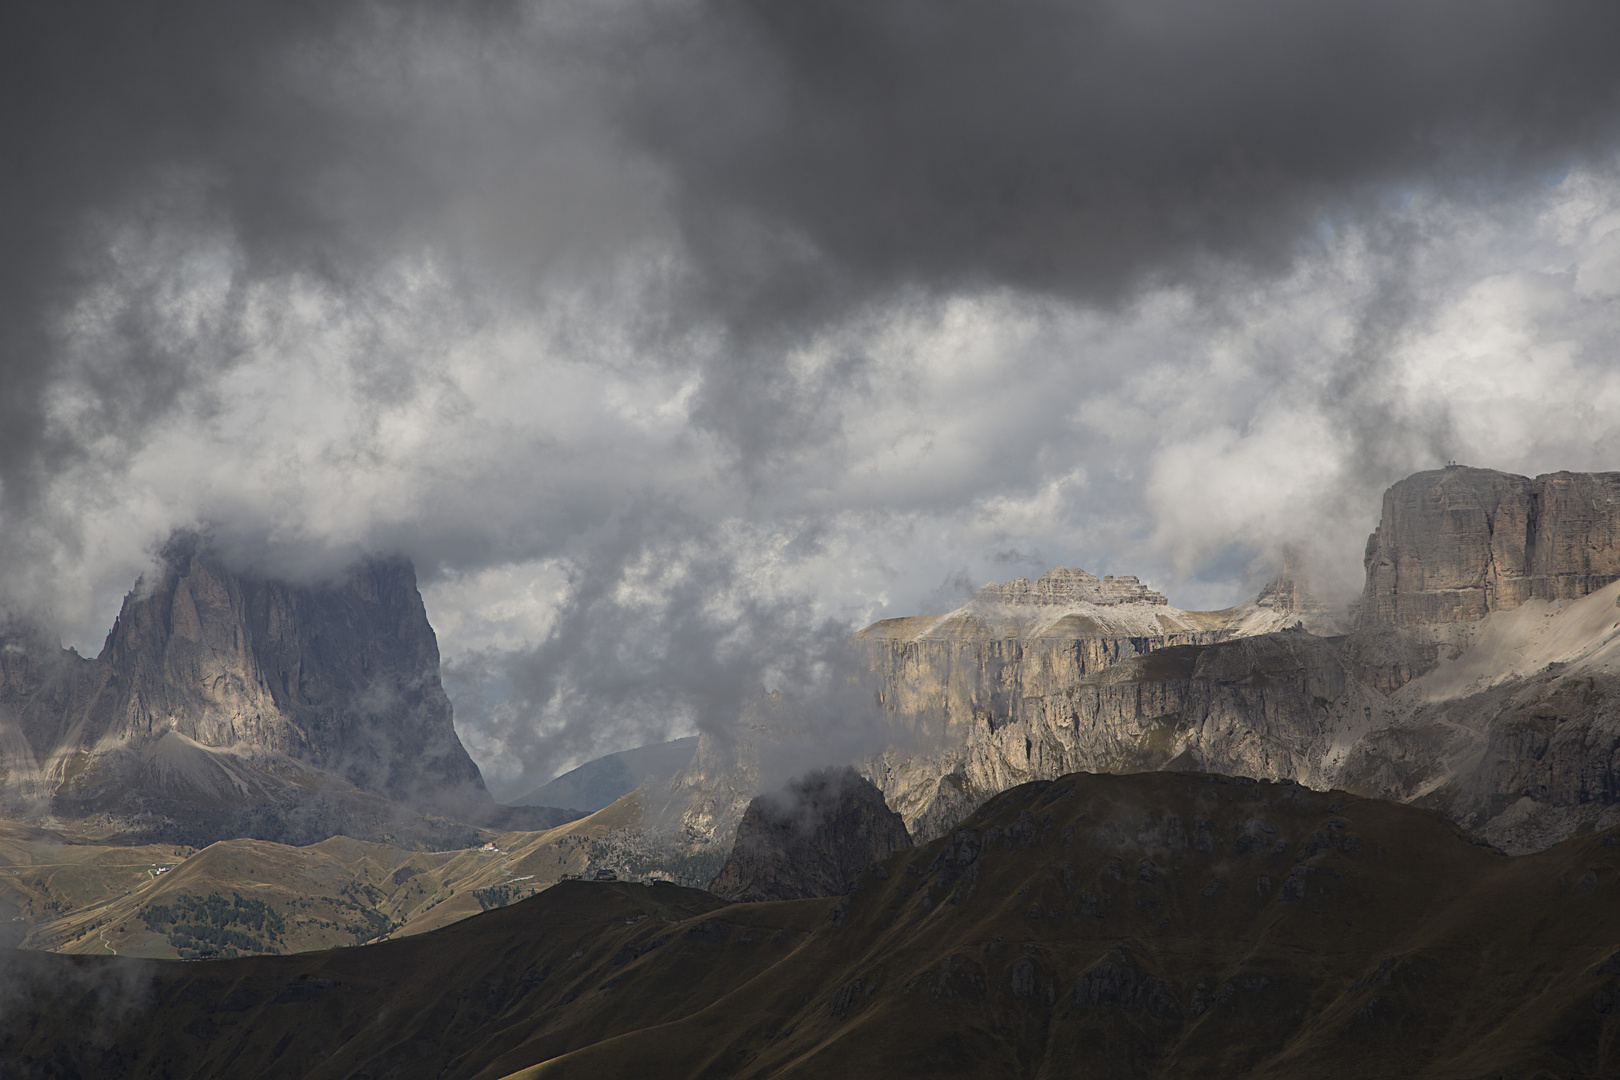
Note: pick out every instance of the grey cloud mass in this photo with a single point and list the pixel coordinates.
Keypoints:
(675, 340)
(1076, 147)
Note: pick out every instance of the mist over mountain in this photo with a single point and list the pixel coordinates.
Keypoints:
(1473, 678)
(674, 407)
(226, 705)
(605, 779)
(1476, 675)
(642, 321)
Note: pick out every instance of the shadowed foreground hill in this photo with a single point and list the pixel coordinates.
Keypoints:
(1168, 924)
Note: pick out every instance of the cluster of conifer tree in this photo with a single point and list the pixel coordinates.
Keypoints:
(213, 924)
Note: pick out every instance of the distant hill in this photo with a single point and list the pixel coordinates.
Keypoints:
(603, 780)
(1154, 925)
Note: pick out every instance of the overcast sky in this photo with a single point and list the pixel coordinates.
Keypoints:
(673, 340)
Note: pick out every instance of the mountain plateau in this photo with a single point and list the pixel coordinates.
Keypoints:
(1479, 674)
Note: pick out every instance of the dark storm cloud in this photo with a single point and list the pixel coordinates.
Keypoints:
(320, 139)
(98, 98)
(817, 156)
(1075, 147)
(760, 172)
(825, 157)
(269, 155)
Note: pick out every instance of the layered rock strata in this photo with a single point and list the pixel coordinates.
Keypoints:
(228, 704)
(1483, 678)
(1455, 544)
(1065, 585)
(960, 683)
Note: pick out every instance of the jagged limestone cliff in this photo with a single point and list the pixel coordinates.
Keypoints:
(1483, 677)
(228, 704)
(344, 677)
(1457, 543)
(971, 687)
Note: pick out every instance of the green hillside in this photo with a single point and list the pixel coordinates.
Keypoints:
(1155, 925)
(67, 893)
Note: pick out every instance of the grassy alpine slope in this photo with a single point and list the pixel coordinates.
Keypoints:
(1166, 924)
(65, 893)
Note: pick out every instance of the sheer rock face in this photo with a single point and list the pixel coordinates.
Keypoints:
(812, 841)
(976, 688)
(344, 676)
(1279, 705)
(1455, 544)
(1482, 679)
(225, 704)
(1527, 754)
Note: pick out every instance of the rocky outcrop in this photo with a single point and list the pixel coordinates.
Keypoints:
(813, 839)
(1290, 594)
(229, 704)
(1455, 544)
(1482, 678)
(343, 676)
(1281, 706)
(973, 689)
(1064, 585)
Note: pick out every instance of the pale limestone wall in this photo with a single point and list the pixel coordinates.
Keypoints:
(1455, 544)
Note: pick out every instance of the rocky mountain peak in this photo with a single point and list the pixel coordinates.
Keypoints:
(226, 702)
(343, 675)
(1063, 585)
(1290, 592)
(1457, 543)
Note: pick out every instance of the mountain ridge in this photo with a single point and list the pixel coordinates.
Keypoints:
(1276, 688)
(603, 780)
